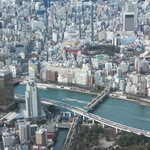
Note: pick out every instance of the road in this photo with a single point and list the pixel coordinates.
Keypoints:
(94, 117)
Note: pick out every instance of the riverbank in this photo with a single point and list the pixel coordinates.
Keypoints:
(44, 86)
(75, 89)
(117, 110)
(141, 102)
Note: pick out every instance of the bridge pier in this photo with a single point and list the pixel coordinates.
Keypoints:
(93, 121)
(64, 114)
(116, 130)
(83, 117)
(74, 114)
(69, 115)
(103, 125)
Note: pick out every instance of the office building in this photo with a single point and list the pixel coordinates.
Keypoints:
(33, 102)
(41, 137)
(130, 17)
(8, 140)
(122, 85)
(131, 7)
(32, 72)
(129, 22)
(24, 131)
(6, 90)
(33, 128)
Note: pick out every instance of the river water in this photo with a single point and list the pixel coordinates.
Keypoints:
(60, 139)
(121, 111)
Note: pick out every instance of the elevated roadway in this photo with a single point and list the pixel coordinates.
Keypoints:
(71, 133)
(94, 117)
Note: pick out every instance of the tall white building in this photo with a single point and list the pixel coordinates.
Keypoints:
(33, 102)
(24, 132)
(122, 85)
(119, 72)
(81, 77)
(137, 64)
(13, 69)
(98, 77)
(32, 72)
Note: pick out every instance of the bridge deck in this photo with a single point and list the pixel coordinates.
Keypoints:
(98, 99)
(96, 118)
(70, 135)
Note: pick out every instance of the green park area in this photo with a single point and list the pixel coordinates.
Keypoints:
(97, 138)
(106, 50)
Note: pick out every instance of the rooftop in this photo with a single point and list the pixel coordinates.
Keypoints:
(4, 72)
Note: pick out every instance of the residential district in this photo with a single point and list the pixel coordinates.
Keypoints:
(79, 45)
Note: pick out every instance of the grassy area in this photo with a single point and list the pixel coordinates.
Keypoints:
(102, 49)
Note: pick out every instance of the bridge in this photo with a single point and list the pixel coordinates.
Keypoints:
(98, 99)
(65, 125)
(93, 117)
(16, 81)
(71, 133)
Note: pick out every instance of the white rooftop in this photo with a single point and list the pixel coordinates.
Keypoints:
(4, 72)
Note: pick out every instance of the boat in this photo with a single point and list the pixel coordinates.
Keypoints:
(69, 99)
(74, 100)
(42, 87)
(144, 103)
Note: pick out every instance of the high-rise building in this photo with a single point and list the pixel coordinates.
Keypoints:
(8, 140)
(33, 128)
(130, 17)
(92, 22)
(33, 102)
(32, 72)
(6, 90)
(24, 131)
(41, 137)
(129, 22)
(131, 7)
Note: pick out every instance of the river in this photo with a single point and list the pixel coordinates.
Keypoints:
(60, 139)
(121, 111)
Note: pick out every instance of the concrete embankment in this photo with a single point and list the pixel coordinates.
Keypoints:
(75, 89)
(142, 102)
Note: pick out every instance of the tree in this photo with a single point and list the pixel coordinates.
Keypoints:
(131, 139)
(95, 142)
(107, 138)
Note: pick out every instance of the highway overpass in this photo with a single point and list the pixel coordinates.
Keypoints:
(93, 117)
